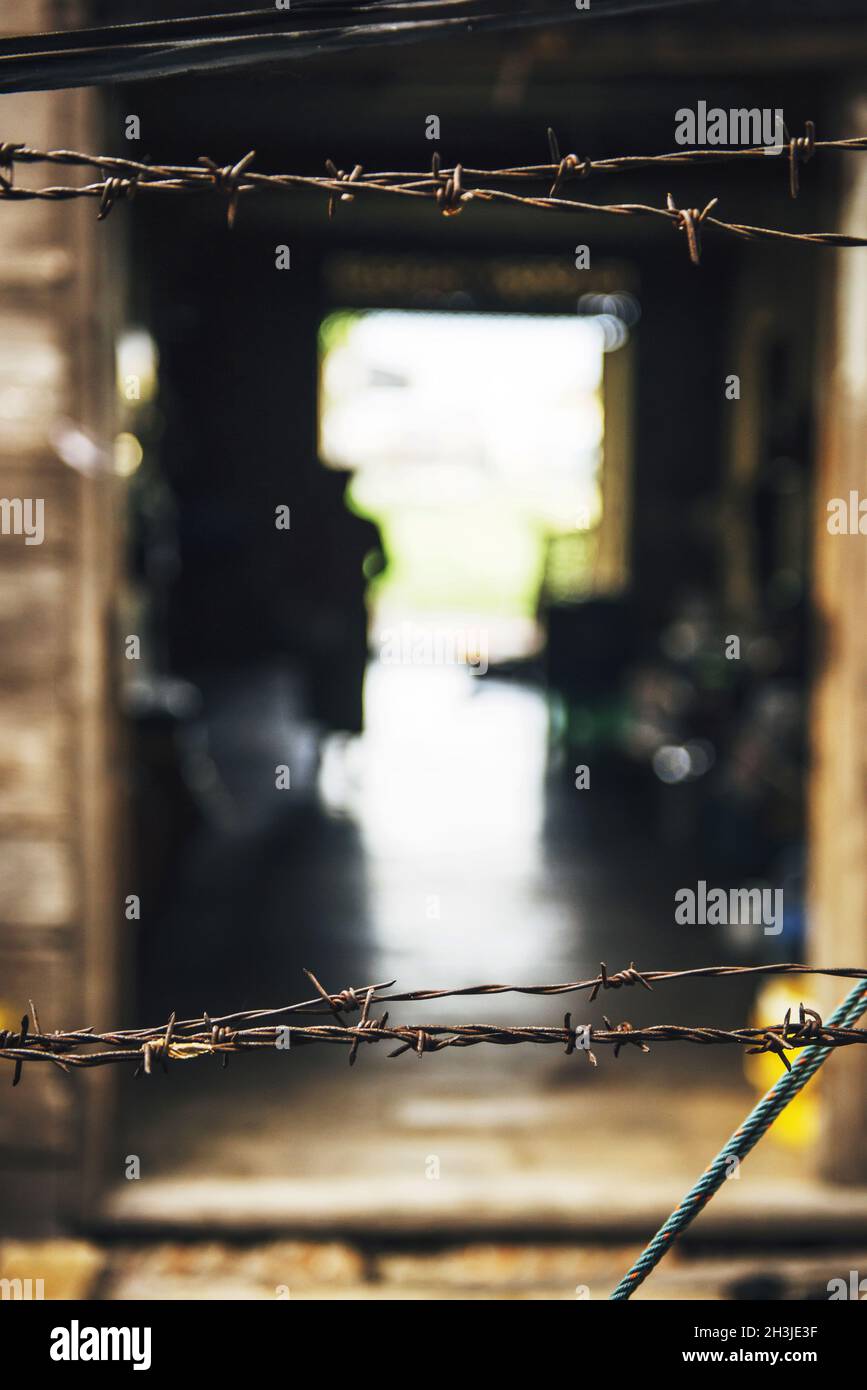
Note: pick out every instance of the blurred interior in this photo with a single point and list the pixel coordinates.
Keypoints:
(523, 521)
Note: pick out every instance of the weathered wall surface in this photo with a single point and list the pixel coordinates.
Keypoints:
(58, 774)
(839, 803)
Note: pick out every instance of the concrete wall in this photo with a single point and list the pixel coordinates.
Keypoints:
(839, 800)
(58, 770)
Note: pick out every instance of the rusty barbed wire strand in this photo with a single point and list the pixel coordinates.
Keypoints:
(621, 979)
(352, 999)
(450, 189)
(188, 1040)
(430, 1037)
(560, 168)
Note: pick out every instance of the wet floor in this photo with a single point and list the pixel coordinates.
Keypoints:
(443, 848)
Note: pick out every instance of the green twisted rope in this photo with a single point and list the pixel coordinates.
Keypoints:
(757, 1123)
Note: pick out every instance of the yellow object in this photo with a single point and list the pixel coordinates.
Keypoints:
(798, 1125)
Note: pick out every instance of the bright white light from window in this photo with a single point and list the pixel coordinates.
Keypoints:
(510, 395)
(136, 363)
(475, 440)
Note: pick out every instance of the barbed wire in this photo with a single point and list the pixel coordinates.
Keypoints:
(57, 1048)
(451, 189)
(620, 979)
(187, 1040)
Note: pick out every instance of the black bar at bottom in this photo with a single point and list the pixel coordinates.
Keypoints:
(219, 1339)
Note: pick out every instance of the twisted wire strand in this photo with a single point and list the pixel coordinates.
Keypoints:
(450, 189)
(351, 999)
(566, 167)
(622, 978)
(189, 1039)
(55, 1047)
(744, 1139)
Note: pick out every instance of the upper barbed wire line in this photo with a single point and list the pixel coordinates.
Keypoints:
(351, 999)
(619, 979)
(25, 154)
(616, 164)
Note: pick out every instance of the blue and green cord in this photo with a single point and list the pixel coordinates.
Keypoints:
(757, 1123)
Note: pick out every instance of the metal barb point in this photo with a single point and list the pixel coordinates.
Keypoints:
(801, 149)
(689, 220)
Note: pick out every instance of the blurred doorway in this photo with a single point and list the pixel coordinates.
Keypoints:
(476, 445)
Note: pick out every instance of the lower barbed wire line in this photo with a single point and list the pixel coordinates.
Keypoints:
(777, 1038)
(743, 231)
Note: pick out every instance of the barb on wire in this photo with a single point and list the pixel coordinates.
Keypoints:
(626, 978)
(449, 189)
(56, 1047)
(801, 148)
(689, 220)
(351, 1000)
(189, 1039)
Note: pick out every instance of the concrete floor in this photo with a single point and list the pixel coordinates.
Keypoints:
(451, 855)
(491, 1271)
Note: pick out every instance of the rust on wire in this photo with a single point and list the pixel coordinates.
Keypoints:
(227, 180)
(187, 1040)
(629, 977)
(450, 189)
(8, 150)
(55, 1047)
(340, 176)
(113, 190)
(801, 148)
(628, 1029)
(568, 164)
(617, 981)
(572, 1040)
(689, 220)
